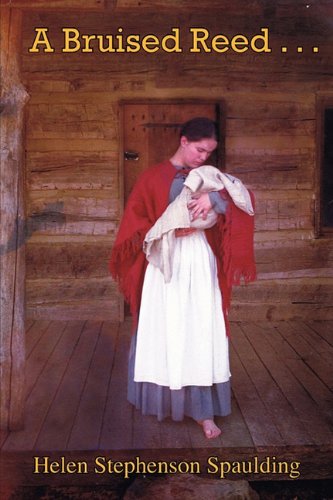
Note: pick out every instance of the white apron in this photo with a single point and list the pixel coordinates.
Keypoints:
(181, 338)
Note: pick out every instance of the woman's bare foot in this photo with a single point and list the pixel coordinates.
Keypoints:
(210, 429)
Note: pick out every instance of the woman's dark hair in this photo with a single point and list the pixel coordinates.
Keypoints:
(199, 128)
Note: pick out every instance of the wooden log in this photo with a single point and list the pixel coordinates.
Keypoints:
(270, 106)
(72, 226)
(279, 169)
(309, 291)
(251, 8)
(271, 311)
(48, 291)
(62, 170)
(267, 126)
(68, 260)
(294, 256)
(72, 121)
(71, 88)
(44, 145)
(76, 212)
(88, 298)
(184, 67)
(56, 4)
(94, 309)
(82, 204)
(13, 99)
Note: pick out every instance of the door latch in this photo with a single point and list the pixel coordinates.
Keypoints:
(131, 155)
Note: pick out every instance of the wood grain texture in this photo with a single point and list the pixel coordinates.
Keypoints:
(56, 4)
(280, 411)
(43, 393)
(86, 430)
(73, 298)
(12, 263)
(295, 393)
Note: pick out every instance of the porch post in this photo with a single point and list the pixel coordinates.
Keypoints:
(12, 245)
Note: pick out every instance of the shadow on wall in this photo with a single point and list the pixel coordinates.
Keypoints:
(52, 214)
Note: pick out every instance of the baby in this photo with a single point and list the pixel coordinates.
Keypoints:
(159, 241)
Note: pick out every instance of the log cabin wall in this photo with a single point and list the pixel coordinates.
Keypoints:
(73, 146)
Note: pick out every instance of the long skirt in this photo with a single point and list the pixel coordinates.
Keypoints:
(179, 362)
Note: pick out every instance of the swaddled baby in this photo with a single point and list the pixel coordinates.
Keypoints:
(206, 179)
(159, 241)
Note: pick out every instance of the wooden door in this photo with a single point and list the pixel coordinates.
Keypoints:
(151, 133)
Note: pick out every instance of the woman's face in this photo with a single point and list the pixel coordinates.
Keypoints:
(195, 154)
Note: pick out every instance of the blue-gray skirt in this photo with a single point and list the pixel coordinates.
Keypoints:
(199, 403)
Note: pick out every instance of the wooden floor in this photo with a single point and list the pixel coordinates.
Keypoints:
(76, 392)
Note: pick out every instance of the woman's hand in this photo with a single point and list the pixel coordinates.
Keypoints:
(199, 206)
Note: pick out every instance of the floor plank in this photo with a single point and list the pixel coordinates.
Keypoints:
(235, 432)
(314, 386)
(177, 434)
(77, 392)
(28, 325)
(3, 436)
(312, 337)
(277, 406)
(34, 333)
(59, 421)
(117, 427)
(147, 432)
(44, 390)
(324, 329)
(41, 352)
(293, 333)
(87, 426)
(262, 429)
(309, 379)
(304, 406)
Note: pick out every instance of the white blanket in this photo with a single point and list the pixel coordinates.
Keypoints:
(159, 241)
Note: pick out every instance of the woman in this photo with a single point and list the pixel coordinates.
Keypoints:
(179, 363)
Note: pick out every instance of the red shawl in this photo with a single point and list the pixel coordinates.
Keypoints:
(231, 239)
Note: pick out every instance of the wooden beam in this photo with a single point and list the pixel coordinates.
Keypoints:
(12, 259)
(56, 4)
